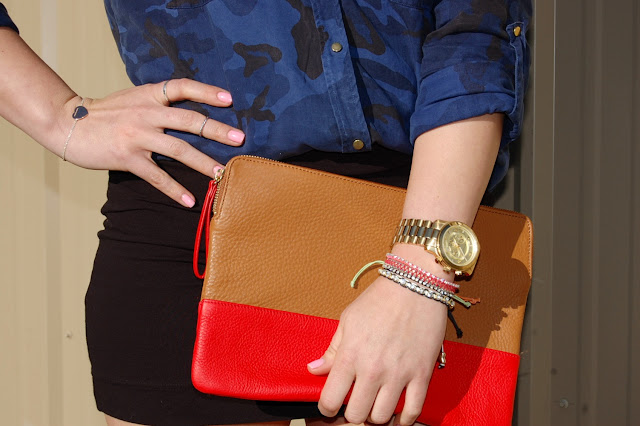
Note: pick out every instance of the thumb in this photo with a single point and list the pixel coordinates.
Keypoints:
(322, 366)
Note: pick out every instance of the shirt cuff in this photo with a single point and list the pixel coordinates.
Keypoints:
(470, 89)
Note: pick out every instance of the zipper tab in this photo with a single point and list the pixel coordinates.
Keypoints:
(205, 222)
(217, 179)
(219, 174)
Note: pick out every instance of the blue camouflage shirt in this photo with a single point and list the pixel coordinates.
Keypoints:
(333, 75)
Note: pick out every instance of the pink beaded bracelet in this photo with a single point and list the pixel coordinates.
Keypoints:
(408, 267)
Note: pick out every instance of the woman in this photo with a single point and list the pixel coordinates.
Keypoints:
(428, 93)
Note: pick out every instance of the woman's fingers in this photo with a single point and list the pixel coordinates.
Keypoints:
(148, 170)
(414, 401)
(341, 377)
(322, 366)
(362, 397)
(183, 89)
(190, 121)
(386, 402)
(217, 131)
(336, 387)
(186, 154)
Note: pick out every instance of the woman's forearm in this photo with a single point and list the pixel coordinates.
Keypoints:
(451, 168)
(449, 175)
(32, 96)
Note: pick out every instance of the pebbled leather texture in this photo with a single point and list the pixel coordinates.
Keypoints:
(247, 352)
(290, 239)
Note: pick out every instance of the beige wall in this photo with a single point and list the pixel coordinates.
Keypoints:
(48, 224)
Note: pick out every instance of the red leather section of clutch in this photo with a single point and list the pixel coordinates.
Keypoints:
(261, 353)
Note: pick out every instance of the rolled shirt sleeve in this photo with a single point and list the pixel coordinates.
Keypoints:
(475, 62)
(5, 20)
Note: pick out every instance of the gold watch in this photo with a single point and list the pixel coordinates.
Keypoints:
(454, 244)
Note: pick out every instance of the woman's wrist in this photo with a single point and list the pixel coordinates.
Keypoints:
(66, 124)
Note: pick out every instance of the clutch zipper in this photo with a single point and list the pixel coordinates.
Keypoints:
(219, 177)
(208, 209)
(217, 180)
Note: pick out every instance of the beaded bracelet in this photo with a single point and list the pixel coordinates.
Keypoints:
(382, 263)
(423, 291)
(446, 293)
(422, 277)
(409, 267)
(418, 280)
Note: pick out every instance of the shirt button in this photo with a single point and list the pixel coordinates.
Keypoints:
(358, 144)
(516, 31)
(336, 47)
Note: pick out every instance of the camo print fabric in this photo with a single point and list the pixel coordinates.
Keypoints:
(404, 67)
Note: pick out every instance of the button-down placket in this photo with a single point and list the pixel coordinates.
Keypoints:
(340, 78)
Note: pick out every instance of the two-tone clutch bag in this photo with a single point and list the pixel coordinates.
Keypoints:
(283, 245)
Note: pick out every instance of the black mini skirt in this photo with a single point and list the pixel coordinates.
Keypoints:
(142, 301)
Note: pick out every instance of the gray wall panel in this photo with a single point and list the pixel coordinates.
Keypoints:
(580, 184)
(536, 184)
(568, 174)
(633, 395)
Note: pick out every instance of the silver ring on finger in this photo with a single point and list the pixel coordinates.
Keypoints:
(164, 91)
(203, 124)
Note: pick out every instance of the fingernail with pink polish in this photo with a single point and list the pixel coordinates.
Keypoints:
(188, 200)
(217, 169)
(236, 136)
(315, 364)
(225, 97)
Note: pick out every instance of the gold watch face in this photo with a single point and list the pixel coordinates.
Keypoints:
(459, 245)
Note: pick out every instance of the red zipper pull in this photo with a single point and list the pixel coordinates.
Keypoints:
(205, 222)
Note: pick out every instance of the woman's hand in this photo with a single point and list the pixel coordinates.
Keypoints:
(387, 341)
(123, 129)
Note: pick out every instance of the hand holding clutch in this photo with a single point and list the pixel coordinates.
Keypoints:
(387, 341)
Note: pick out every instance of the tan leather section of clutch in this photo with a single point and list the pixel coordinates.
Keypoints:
(291, 238)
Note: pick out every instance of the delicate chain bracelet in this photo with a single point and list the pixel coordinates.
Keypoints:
(78, 114)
